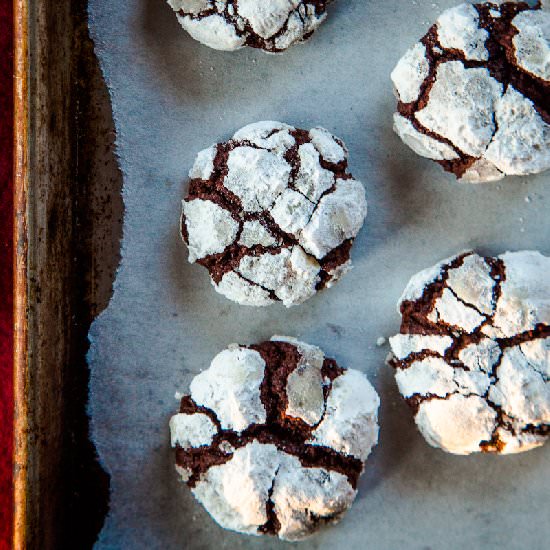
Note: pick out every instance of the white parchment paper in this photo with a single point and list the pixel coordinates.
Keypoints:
(172, 97)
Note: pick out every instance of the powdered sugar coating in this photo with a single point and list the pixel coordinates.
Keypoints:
(522, 143)
(521, 390)
(305, 384)
(415, 287)
(300, 494)
(432, 376)
(236, 402)
(212, 31)
(452, 311)
(421, 143)
(273, 208)
(267, 134)
(350, 423)
(254, 233)
(330, 148)
(229, 25)
(211, 228)
(304, 392)
(457, 424)
(404, 345)
(204, 164)
(235, 493)
(472, 283)
(191, 430)
(525, 299)
(458, 29)
(532, 43)
(537, 354)
(473, 92)
(291, 275)
(256, 176)
(234, 287)
(309, 355)
(312, 179)
(473, 356)
(481, 171)
(410, 73)
(292, 211)
(293, 471)
(338, 217)
(480, 356)
(461, 107)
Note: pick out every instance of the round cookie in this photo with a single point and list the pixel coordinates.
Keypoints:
(272, 26)
(273, 437)
(474, 93)
(272, 213)
(473, 355)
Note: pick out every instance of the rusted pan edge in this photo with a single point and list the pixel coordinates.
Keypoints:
(21, 179)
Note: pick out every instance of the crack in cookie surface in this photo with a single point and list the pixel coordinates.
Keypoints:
(473, 355)
(288, 424)
(470, 88)
(273, 213)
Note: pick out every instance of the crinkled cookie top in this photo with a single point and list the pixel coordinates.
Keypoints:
(272, 25)
(473, 355)
(273, 438)
(272, 213)
(474, 93)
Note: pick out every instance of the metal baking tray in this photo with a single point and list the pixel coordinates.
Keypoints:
(68, 213)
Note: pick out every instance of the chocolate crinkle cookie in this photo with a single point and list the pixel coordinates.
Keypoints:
(271, 25)
(474, 93)
(272, 213)
(273, 438)
(473, 356)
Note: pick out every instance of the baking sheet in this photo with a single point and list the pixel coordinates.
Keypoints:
(171, 98)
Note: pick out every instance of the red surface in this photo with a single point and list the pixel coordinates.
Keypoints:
(6, 278)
